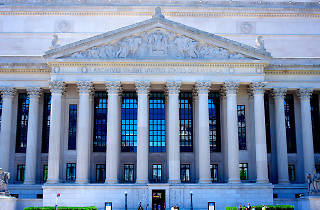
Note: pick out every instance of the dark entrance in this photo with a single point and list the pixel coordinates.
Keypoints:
(158, 199)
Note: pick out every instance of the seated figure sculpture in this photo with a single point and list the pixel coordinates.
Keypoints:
(4, 180)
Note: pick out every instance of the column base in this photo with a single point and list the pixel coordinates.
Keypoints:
(142, 181)
(174, 181)
(111, 181)
(262, 181)
(29, 182)
(234, 181)
(82, 181)
(53, 181)
(205, 181)
(283, 181)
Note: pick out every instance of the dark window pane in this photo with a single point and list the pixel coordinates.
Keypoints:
(157, 122)
(129, 122)
(290, 123)
(45, 173)
(100, 121)
(242, 127)
(20, 172)
(214, 122)
(185, 172)
(315, 122)
(156, 173)
(71, 172)
(185, 122)
(291, 173)
(0, 110)
(243, 171)
(22, 123)
(128, 173)
(100, 173)
(214, 172)
(72, 139)
(267, 121)
(46, 122)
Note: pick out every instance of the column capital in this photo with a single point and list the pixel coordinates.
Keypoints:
(85, 87)
(230, 87)
(202, 87)
(173, 87)
(279, 92)
(257, 87)
(305, 93)
(142, 86)
(113, 87)
(57, 86)
(8, 91)
(34, 92)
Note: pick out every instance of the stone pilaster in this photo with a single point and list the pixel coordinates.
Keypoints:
(57, 89)
(202, 88)
(257, 90)
(307, 138)
(173, 88)
(232, 132)
(83, 132)
(8, 94)
(281, 137)
(113, 130)
(142, 88)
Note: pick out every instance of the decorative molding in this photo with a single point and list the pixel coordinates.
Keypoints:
(85, 87)
(57, 86)
(113, 87)
(305, 93)
(142, 86)
(202, 87)
(8, 91)
(230, 87)
(34, 92)
(279, 93)
(173, 87)
(257, 87)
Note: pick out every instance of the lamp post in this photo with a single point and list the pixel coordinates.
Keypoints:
(191, 204)
(126, 200)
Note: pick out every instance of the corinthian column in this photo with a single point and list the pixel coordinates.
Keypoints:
(143, 131)
(113, 130)
(57, 88)
(202, 88)
(281, 137)
(32, 136)
(83, 132)
(5, 132)
(232, 132)
(307, 139)
(173, 134)
(260, 132)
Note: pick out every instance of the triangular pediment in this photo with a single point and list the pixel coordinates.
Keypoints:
(157, 38)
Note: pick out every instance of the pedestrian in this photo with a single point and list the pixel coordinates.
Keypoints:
(147, 207)
(140, 206)
(248, 207)
(172, 208)
(264, 207)
(240, 207)
(253, 208)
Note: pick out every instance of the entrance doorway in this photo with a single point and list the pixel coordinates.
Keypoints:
(158, 199)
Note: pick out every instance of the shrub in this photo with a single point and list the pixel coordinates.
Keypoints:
(61, 208)
(275, 207)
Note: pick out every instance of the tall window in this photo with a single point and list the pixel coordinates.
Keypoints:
(290, 123)
(20, 172)
(242, 127)
(100, 173)
(214, 172)
(185, 172)
(46, 122)
(71, 172)
(22, 123)
(128, 172)
(157, 125)
(315, 122)
(100, 121)
(0, 109)
(214, 122)
(45, 173)
(243, 171)
(291, 172)
(267, 121)
(72, 137)
(185, 121)
(129, 122)
(156, 172)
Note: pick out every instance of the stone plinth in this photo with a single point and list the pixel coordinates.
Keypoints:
(311, 202)
(7, 202)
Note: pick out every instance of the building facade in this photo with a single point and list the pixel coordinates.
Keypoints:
(190, 103)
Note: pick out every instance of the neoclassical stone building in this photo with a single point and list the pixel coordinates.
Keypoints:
(120, 102)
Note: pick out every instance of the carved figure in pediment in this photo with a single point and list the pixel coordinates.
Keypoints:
(109, 51)
(158, 42)
(187, 48)
(129, 47)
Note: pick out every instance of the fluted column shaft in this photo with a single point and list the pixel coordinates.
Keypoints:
(113, 130)
(260, 132)
(83, 132)
(232, 132)
(32, 136)
(173, 134)
(142, 131)
(5, 132)
(307, 138)
(281, 137)
(57, 88)
(202, 88)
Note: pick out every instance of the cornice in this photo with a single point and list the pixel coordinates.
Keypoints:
(292, 72)
(24, 68)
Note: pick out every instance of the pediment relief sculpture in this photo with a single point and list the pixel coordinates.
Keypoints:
(158, 43)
